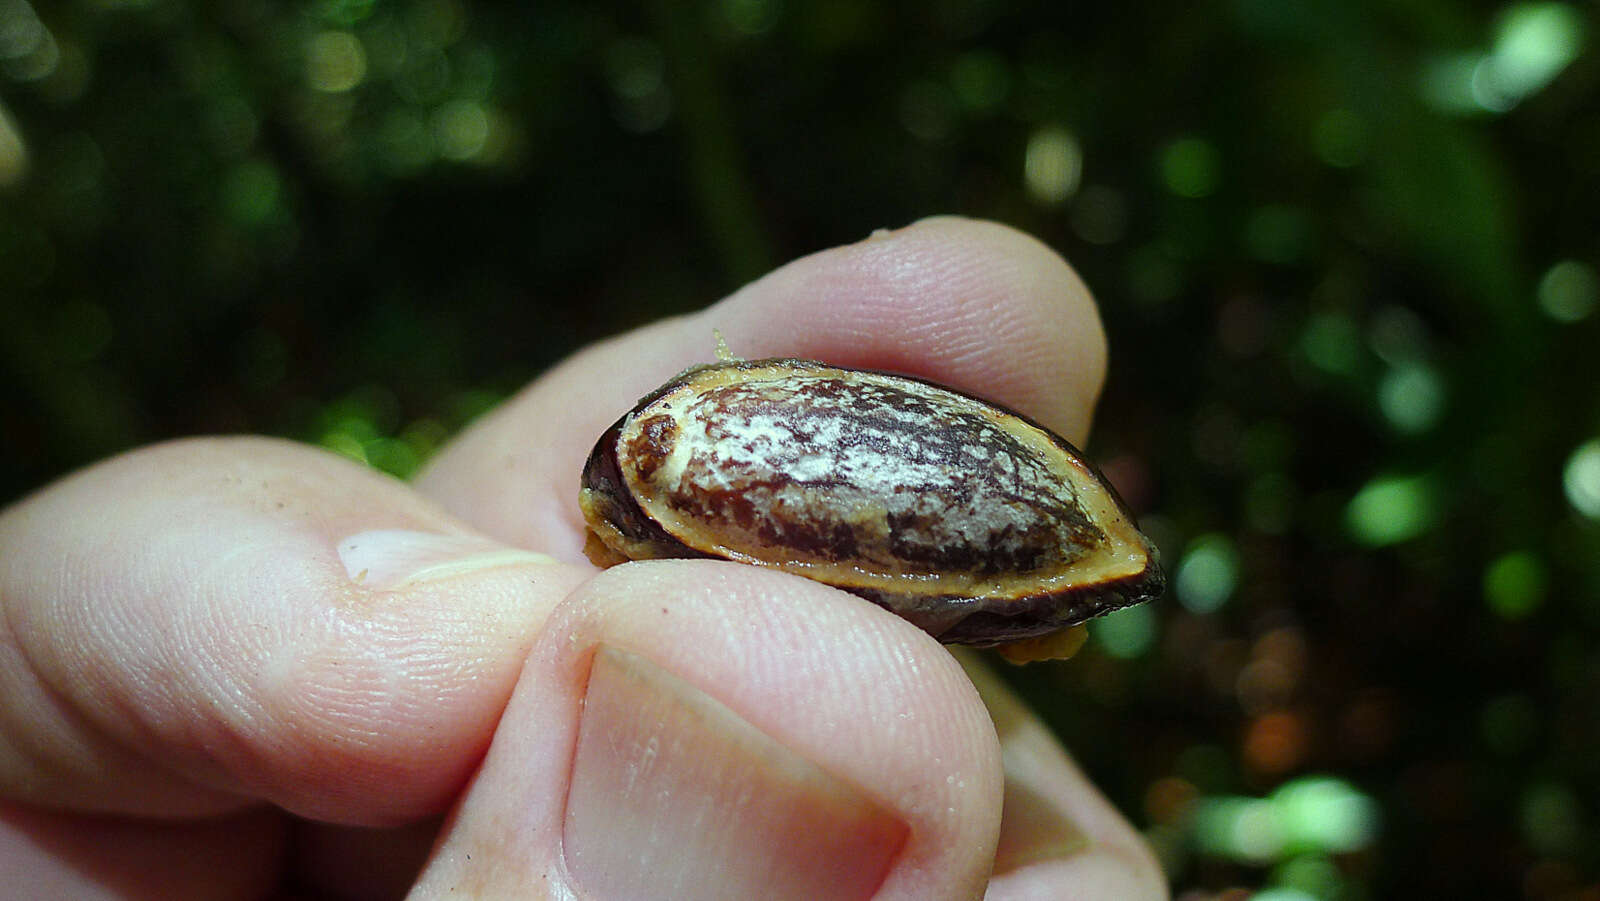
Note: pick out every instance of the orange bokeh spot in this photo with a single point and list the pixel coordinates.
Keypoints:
(1275, 743)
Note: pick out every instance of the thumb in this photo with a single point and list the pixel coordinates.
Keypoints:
(203, 625)
(694, 729)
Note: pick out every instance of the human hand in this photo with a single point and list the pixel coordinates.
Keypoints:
(236, 668)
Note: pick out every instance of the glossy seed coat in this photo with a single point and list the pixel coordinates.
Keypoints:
(961, 516)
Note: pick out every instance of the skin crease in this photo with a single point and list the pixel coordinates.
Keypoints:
(198, 699)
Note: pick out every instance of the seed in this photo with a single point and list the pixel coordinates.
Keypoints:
(965, 518)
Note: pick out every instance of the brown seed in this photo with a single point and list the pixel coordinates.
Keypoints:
(963, 517)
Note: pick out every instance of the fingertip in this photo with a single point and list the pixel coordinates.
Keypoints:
(975, 305)
(1086, 878)
(971, 303)
(734, 713)
(1059, 836)
(204, 624)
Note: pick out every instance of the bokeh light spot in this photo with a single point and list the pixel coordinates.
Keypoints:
(1552, 819)
(335, 61)
(1052, 165)
(345, 445)
(1207, 574)
(1317, 815)
(1569, 291)
(1275, 742)
(1581, 479)
(1332, 343)
(1239, 828)
(1412, 397)
(358, 426)
(28, 51)
(1191, 167)
(393, 456)
(461, 130)
(1127, 633)
(425, 436)
(980, 79)
(1310, 876)
(38, 62)
(1392, 509)
(1533, 44)
(251, 192)
(1323, 813)
(1514, 584)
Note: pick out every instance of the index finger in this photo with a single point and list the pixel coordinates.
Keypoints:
(974, 305)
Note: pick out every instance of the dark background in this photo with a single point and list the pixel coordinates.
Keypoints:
(1345, 251)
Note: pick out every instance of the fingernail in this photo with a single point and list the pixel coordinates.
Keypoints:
(1032, 826)
(674, 795)
(1033, 829)
(387, 559)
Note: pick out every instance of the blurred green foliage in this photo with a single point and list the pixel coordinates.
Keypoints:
(1346, 252)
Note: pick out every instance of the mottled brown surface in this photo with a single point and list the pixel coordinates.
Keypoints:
(877, 475)
(905, 493)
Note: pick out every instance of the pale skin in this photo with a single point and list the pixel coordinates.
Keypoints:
(222, 676)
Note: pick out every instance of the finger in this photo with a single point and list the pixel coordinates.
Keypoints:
(974, 305)
(689, 729)
(204, 625)
(1059, 837)
(52, 855)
